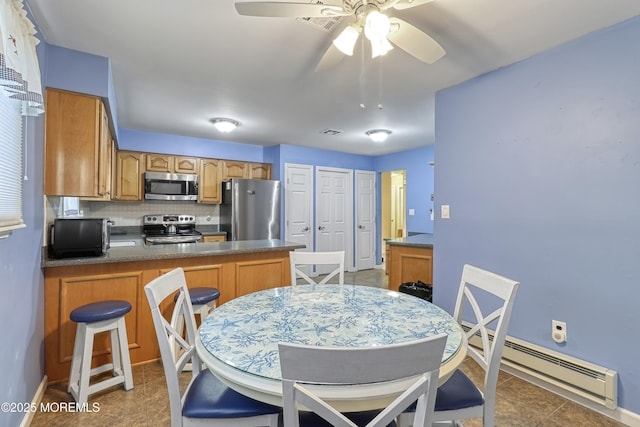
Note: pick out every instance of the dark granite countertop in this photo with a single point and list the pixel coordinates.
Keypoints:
(127, 248)
(418, 240)
(210, 230)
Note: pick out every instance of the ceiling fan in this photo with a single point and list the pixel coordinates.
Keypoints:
(368, 17)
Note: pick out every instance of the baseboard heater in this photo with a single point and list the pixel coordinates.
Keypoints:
(577, 376)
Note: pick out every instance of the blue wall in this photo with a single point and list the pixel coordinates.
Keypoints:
(152, 142)
(22, 284)
(540, 162)
(419, 176)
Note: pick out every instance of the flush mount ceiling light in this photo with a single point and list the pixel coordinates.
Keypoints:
(224, 125)
(378, 135)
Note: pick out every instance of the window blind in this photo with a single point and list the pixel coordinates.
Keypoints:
(11, 165)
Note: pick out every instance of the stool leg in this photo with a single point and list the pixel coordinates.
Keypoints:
(85, 367)
(115, 352)
(124, 353)
(76, 359)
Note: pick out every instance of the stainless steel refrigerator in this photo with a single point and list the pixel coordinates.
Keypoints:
(250, 209)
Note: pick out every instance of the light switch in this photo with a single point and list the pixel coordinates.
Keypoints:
(412, 212)
(444, 211)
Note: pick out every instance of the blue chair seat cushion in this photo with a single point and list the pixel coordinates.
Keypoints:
(209, 397)
(101, 310)
(361, 419)
(458, 392)
(201, 296)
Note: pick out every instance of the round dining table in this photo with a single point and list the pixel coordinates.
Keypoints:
(238, 341)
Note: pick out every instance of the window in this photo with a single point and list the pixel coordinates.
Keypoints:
(20, 95)
(11, 164)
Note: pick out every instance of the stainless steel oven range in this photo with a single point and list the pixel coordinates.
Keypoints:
(173, 228)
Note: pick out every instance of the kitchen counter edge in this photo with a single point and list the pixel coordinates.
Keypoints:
(141, 252)
(419, 240)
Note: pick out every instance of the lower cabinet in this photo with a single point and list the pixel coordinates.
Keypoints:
(214, 238)
(409, 264)
(72, 286)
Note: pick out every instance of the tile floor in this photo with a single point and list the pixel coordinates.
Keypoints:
(519, 404)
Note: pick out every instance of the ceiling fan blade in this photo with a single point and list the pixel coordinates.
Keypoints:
(414, 41)
(330, 58)
(333, 54)
(288, 9)
(406, 4)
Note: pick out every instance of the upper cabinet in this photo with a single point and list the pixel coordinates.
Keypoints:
(260, 170)
(171, 164)
(128, 176)
(234, 169)
(78, 143)
(209, 188)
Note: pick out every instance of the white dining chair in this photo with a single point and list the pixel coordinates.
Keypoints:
(306, 368)
(459, 397)
(206, 400)
(298, 259)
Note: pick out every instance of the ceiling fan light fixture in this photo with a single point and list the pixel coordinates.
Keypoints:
(378, 135)
(376, 28)
(380, 47)
(224, 125)
(346, 41)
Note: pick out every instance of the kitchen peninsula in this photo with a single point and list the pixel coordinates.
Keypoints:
(234, 267)
(409, 259)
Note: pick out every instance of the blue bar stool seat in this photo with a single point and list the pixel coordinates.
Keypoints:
(92, 319)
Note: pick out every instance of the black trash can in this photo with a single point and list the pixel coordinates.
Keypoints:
(418, 289)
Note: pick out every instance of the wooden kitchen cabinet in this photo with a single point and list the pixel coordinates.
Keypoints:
(171, 164)
(128, 176)
(68, 287)
(77, 160)
(234, 169)
(209, 189)
(259, 170)
(409, 264)
(214, 238)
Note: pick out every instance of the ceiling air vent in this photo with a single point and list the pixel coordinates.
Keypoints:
(331, 132)
(323, 24)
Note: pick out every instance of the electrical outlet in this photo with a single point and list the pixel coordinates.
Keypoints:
(559, 331)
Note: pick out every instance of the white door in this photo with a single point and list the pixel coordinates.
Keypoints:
(365, 220)
(298, 204)
(334, 212)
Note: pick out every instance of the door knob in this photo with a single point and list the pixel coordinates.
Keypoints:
(305, 229)
(321, 227)
(361, 227)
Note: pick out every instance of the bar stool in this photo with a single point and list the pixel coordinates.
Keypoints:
(92, 319)
(203, 301)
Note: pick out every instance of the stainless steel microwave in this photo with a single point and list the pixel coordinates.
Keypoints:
(170, 186)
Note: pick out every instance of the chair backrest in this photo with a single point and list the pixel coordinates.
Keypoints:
(335, 366)
(159, 290)
(504, 290)
(299, 259)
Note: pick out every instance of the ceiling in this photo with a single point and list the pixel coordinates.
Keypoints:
(178, 63)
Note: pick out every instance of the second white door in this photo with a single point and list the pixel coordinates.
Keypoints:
(334, 208)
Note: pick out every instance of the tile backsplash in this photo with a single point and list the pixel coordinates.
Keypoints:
(131, 213)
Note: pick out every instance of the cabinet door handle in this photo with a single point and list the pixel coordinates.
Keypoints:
(305, 229)
(321, 227)
(361, 227)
